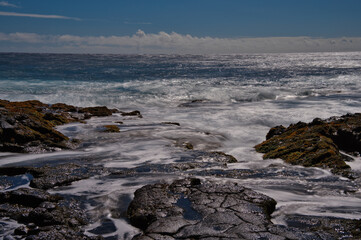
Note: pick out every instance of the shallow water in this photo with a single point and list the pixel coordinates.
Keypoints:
(223, 103)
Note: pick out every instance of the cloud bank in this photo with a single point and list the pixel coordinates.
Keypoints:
(171, 43)
(31, 15)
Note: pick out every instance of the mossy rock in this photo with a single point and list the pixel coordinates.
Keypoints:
(111, 128)
(316, 144)
(29, 126)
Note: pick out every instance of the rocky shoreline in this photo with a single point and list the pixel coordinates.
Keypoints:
(191, 207)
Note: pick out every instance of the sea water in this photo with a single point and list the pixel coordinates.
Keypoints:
(222, 103)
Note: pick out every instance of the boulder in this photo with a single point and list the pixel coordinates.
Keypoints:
(191, 209)
(195, 209)
(135, 113)
(46, 177)
(44, 216)
(98, 111)
(111, 128)
(316, 144)
(29, 126)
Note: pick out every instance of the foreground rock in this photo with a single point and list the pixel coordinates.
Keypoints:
(316, 144)
(191, 209)
(43, 216)
(29, 126)
(47, 177)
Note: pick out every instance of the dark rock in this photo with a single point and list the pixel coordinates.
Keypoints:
(223, 157)
(316, 144)
(47, 177)
(133, 113)
(193, 103)
(188, 145)
(63, 107)
(29, 126)
(46, 216)
(275, 131)
(26, 197)
(193, 209)
(98, 111)
(60, 233)
(333, 228)
(171, 123)
(111, 128)
(22, 230)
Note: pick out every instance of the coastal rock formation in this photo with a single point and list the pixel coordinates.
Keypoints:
(191, 209)
(111, 128)
(135, 113)
(47, 177)
(42, 215)
(29, 126)
(316, 144)
(194, 209)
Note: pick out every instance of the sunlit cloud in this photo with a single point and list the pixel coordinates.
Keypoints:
(169, 43)
(31, 15)
(6, 4)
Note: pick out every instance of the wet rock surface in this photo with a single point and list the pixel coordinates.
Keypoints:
(135, 113)
(192, 209)
(328, 227)
(47, 177)
(29, 126)
(111, 128)
(42, 215)
(195, 209)
(185, 209)
(316, 144)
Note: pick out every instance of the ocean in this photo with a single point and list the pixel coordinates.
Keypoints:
(222, 103)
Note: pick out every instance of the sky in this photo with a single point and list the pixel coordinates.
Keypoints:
(187, 26)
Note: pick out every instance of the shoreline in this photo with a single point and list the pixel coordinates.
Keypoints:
(44, 178)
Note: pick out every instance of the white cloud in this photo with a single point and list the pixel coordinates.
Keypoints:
(163, 42)
(31, 15)
(6, 4)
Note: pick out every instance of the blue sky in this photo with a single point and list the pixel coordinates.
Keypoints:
(25, 25)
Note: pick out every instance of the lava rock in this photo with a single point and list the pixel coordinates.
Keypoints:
(133, 113)
(46, 177)
(316, 144)
(191, 209)
(98, 111)
(171, 123)
(29, 126)
(329, 227)
(195, 209)
(46, 216)
(111, 128)
(222, 157)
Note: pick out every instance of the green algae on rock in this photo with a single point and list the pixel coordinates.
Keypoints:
(316, 144)
(29, 126)
(111, 128)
